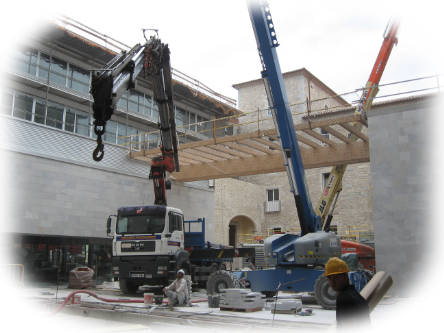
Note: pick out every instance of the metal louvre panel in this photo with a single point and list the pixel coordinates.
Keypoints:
(11, 85)
(25, 75)
(21, 88)
(70, 91)
(122, 119)
(44, 141)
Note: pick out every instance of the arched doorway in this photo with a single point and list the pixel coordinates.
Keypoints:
(240, 230)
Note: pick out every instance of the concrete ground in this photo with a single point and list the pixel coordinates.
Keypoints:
(94, 315)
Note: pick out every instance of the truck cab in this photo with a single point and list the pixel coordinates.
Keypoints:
(148, 230)
(148, 246)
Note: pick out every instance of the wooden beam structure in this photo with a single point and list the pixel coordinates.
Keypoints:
(259, 152)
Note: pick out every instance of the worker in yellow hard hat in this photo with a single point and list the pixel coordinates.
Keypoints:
(351, 308)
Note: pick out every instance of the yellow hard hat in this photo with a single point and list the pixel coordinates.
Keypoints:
(335, 266)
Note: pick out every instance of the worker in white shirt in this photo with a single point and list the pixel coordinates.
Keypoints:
(177, 292)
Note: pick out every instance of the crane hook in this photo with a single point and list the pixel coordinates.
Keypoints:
(99, 149)
(100, 145)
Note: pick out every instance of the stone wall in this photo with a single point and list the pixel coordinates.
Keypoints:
(237, 201)
(354, 207)
(403, 177)
(49, 197)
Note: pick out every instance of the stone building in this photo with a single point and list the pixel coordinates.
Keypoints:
(267, 197)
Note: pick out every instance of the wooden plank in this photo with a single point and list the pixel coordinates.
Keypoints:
(193, 157)
(319, 136)
(272, 144)
(228, 151)
(215, 153)
(195, 152)
(257, 146)
(337, 134)
(354, 131)
(326, 156)
(308, 142)
(109, 329)
(243, 148)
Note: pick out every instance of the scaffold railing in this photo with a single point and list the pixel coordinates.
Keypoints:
(262, 120)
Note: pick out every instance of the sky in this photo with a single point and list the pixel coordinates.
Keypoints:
(213, 41)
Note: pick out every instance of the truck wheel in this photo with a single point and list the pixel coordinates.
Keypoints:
(222, 267)
(221, 280)
(128, 287)
(325, 296)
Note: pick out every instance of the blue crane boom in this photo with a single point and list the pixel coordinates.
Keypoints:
(277, 97)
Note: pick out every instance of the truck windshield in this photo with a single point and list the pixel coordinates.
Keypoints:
(140, 224)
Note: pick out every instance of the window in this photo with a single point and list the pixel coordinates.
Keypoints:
(147, 103)
(155, 111)
(6, 103)
(273, 194)
(272, 203)
(176, 222)
(136, 101)
(25, 60)
(39, 112)
(152, 141)
(181, 117)
(121, 134)
(76, 121)
(111, 131)
(78, 79)
(136, 138)
(58, 71)
(43, 66)
(23, 106)
(54, 115)
(192, 120)
(123, 100)
(82, 123)
(202, 125)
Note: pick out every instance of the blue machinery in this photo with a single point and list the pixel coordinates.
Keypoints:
(298, 260)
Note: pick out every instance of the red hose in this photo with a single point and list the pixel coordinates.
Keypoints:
(109, 300)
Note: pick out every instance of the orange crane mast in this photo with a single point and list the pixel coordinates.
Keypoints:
(333, 185)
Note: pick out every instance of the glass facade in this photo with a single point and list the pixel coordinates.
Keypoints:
(49, 259)
(25, 60)
(63, 73)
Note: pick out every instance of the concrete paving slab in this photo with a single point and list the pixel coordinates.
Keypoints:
(391, 312)
(59, 323)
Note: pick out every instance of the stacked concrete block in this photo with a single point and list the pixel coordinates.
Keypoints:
(289, 305)
(241, 299)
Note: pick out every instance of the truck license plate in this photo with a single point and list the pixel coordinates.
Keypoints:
(137, 275)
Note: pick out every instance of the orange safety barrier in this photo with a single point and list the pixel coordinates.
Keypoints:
(12, 273)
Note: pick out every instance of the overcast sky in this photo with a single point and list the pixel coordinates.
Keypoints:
(213, 41)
